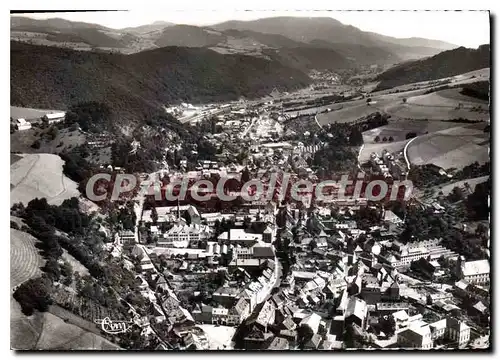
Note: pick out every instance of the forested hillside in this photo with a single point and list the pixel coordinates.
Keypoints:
(445, 64)
(134, 85)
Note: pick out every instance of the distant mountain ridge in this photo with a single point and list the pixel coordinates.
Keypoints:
(145, 29)
(445, 64)
(20, 22)
(330, 30)
(189, 36)
(65, 31)
(254, 38)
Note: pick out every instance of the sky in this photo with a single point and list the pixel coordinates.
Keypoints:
(463, 28)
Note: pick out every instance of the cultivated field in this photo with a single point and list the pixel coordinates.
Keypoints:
(439, 105)
(412, 111)
(397, 129)
(451, 148)
(454, 96)
(14, 158)
(350, 112)
(41, 331)
(24, 331)
(28, 113)
(45, 331)
(100, 156)
(75, 264)
(40, 175)
(472, 76)
(21, 141)
(25, 261)
(353, 110)
(446, 189)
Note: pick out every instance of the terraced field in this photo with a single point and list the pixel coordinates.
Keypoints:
(25, 261)
(41, 331)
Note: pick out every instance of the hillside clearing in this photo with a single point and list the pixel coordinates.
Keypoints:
(398, 129)
(455, 147)
(42, 331)
(45, 331)
(455, 94)
(447, 189)
(418, 111)
(449, 98)
(75, 264)
(40, 175)
(22, 141)
(465, 78)
(17, 112)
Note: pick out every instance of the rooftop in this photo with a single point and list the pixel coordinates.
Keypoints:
(476, 267)
(279, 343)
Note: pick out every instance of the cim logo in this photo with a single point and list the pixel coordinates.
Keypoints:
(113, 326)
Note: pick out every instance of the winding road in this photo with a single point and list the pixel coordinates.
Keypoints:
(405, 152)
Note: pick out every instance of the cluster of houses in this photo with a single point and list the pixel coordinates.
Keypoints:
(343, 280)
(49, 118)
(388, 165)
(302, 276)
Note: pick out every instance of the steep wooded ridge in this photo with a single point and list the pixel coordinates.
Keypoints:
(445, 64)
(346, 45)
(132, 85)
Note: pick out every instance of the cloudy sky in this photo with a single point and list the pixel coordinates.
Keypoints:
(465, 28)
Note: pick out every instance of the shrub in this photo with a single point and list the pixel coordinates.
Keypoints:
(410, 135)
(34, 294)
(53, 132)
(36, 144)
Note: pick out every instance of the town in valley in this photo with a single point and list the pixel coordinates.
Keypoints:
(264, 255)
